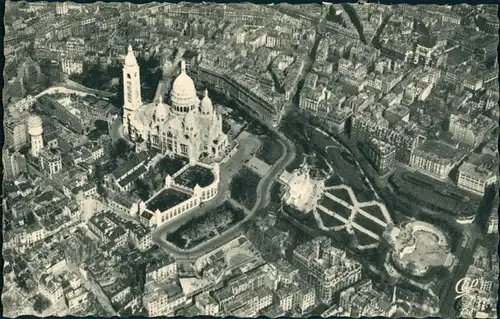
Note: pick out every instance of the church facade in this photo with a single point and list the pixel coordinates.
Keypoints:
(185, 125)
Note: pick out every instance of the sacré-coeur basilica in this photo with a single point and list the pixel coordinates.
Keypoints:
(186, 126)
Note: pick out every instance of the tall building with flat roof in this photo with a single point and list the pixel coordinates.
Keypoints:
(471, 131)
(325, 267)
(381, 155)
(476, 174)
(61, 8)
(16, 133)
(13, 163)
(435, 159)
(35, 130)
(50, 161)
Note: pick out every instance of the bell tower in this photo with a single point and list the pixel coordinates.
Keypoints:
(131, 88)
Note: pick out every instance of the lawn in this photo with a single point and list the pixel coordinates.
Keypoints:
(368, 224)
(342, 194)
(365, 194)
(348, 158)
(375, 211)
(244, 187)
(202, 228)
(335, 207)
(334, 180)
(364, 239)
(270, 151)
(171, 165)
(277, 192)
(297, 161)
(345, 169)
(329, 221)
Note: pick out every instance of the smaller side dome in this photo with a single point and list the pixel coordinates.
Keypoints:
(206, 104)
(161, 112)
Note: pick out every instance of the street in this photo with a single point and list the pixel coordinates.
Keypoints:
(77, 86)
(464, 261)
(90, 285)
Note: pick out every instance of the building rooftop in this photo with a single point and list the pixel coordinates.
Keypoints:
(122, 199)
(132, 177)
(441, 150)
(134, 161)
(166, 261)
(482, 167)
(273, 311)
(381, 146)
(193, 285)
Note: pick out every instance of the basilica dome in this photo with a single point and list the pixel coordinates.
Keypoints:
(183, 94)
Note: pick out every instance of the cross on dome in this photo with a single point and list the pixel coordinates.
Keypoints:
(160, 100)
(205, 93)
(183, 66)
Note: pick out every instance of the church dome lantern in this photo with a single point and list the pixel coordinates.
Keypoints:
(183, 94)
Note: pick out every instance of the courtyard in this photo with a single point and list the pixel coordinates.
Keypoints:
(195, 175)
(169, 165)
(154, 179)
(167, 199)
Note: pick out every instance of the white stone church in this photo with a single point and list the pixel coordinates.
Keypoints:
(185, 126)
